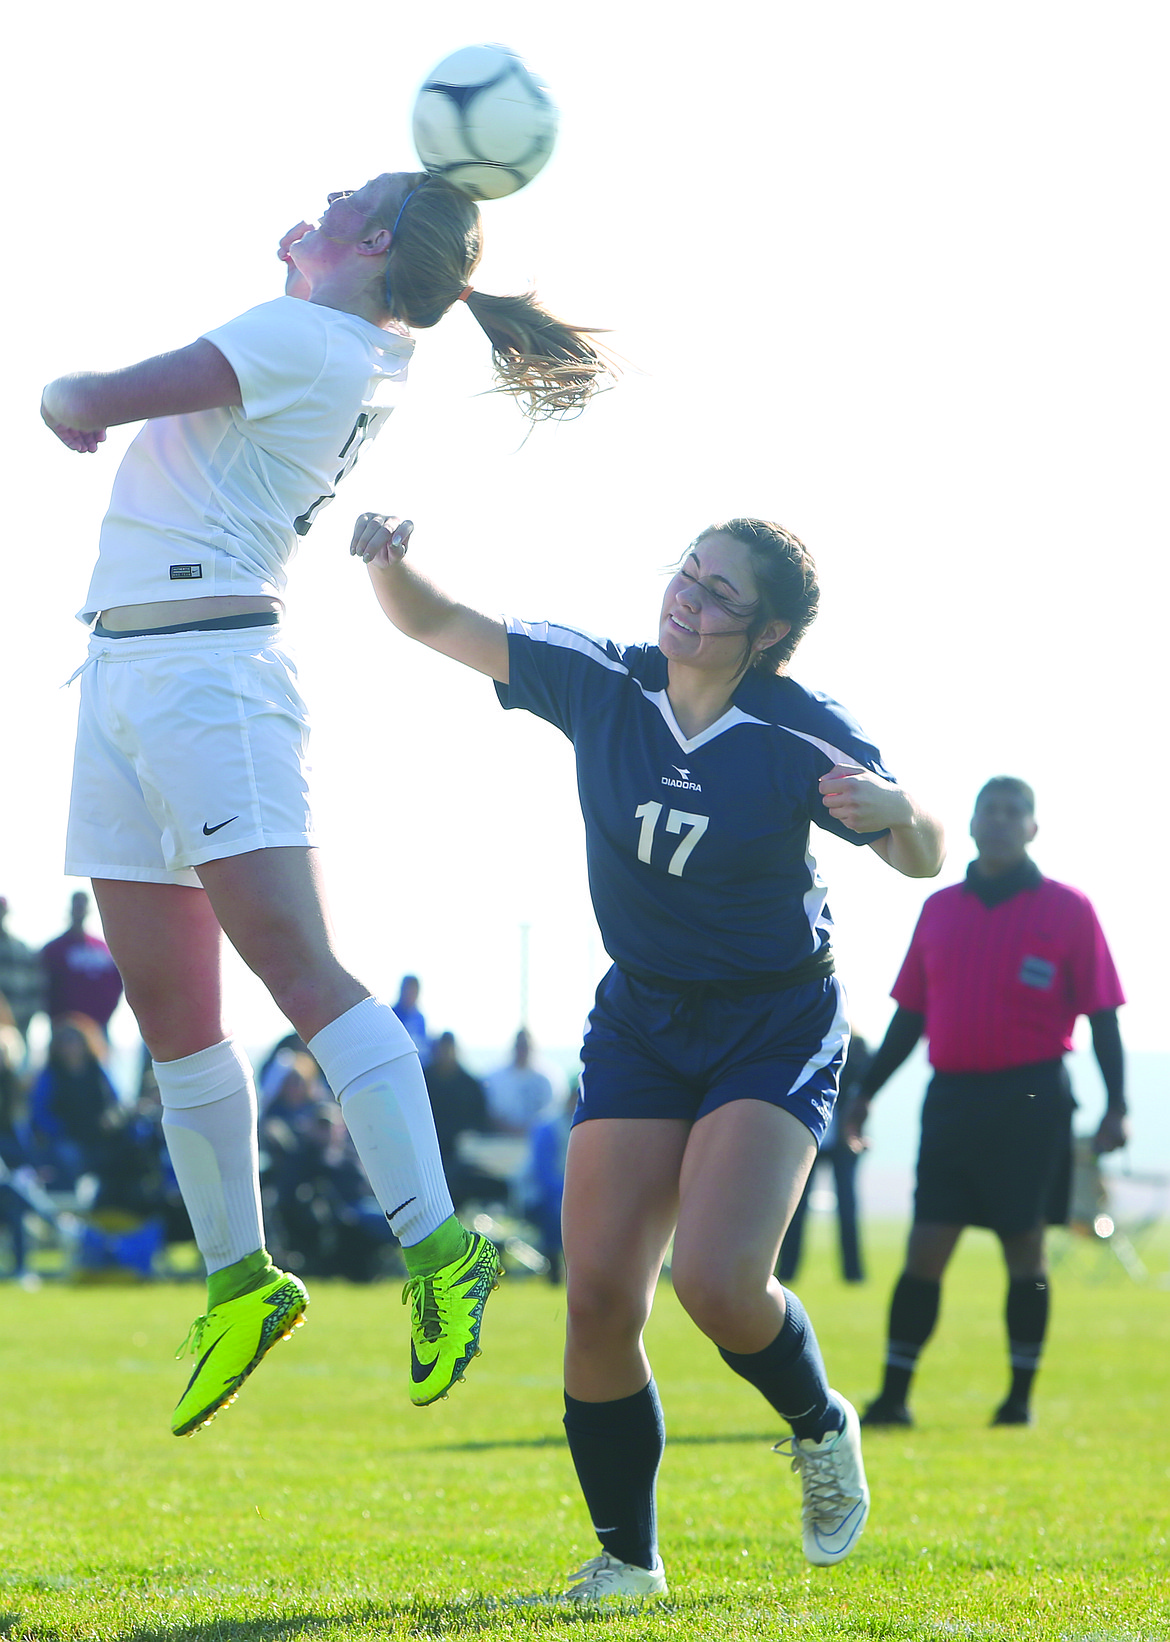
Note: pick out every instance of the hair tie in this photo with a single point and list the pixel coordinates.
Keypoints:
(402, 208)
(465, 293)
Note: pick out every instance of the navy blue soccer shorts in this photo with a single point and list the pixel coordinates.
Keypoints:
(651, 1053)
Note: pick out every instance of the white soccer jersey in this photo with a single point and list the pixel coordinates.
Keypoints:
(212, 502)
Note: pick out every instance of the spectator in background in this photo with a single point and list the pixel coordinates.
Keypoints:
(842, 1157)
(132, 1168)
(82, 977)
(280, 1056)
(517, 1094)
(550, 1145)
(460, 1107)
(327, 1216)
(412, 1017)
(998, 970)
(293, 1138)
(147, 1115)
(22, 977)
(72, 1104)
(12, 1153)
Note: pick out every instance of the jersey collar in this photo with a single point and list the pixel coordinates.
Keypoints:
(993, 892)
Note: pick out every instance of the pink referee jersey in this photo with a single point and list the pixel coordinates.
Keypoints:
(1002, 986)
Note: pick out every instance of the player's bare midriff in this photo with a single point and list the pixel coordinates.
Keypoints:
(124, 618)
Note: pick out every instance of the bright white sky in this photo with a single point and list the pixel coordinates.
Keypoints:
(894, 275)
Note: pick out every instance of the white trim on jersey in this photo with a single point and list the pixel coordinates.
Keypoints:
(586, 644)
(691, 744)
(569, 638)
(565, 638)
(815, 899)
(833, 753)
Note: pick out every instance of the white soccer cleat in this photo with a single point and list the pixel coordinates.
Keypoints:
(836, 1495)
(604, 1579)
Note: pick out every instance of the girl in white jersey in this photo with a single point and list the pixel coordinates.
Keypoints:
(711, 1060)
(189, 808)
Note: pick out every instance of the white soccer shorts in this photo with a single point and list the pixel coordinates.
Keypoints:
(191, 747)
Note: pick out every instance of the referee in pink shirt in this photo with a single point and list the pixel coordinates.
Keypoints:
(998, 970)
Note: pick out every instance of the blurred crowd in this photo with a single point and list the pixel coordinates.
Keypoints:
(87, 1168)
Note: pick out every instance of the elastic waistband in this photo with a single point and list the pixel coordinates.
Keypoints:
(814, 968)
(213, 624)
(189, 641)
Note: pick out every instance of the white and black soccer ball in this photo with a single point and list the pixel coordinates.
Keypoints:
(484, 121)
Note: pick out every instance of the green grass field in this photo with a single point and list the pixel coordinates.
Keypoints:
(322, 1505)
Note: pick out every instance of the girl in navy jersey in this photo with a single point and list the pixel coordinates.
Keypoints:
(715, 1041)
(190, 809)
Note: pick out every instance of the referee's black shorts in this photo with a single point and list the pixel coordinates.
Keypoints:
(996, 1149)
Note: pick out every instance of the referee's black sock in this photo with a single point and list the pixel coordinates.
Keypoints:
(790, 1373)
(617, 1448)
(913, 1314)
(1027, 1323)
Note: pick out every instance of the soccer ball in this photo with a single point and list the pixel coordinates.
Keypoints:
(484, 122)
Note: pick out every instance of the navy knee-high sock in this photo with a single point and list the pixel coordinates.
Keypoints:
(617, 1448)
(790, 1373)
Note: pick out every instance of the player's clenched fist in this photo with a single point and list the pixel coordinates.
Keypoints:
(861, 801)
(380, 539)
(85, 440)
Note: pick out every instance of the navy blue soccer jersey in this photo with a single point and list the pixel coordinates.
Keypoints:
(698, 848)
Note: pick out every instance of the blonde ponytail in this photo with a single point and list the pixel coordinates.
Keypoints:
(550, 367)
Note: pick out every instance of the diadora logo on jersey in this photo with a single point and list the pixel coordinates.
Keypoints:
(683, 779)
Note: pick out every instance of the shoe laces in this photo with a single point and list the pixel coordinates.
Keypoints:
(818, 1473)
(595, 1565)
(424, 1304)
(597, 1572)
(194, 1337)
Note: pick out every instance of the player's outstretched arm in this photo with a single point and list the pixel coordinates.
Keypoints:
(418, 609)
(914, 844)
(80, 408)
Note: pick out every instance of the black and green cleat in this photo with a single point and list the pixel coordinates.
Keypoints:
(446, 1310)
(229, 1341)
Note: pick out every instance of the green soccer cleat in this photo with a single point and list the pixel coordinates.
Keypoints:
(232, 1338)
(446, 1310)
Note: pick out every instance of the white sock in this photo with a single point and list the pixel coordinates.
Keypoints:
(374, 1070)
(209, 1124)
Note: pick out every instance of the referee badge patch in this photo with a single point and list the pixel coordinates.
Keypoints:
(1038, 972)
